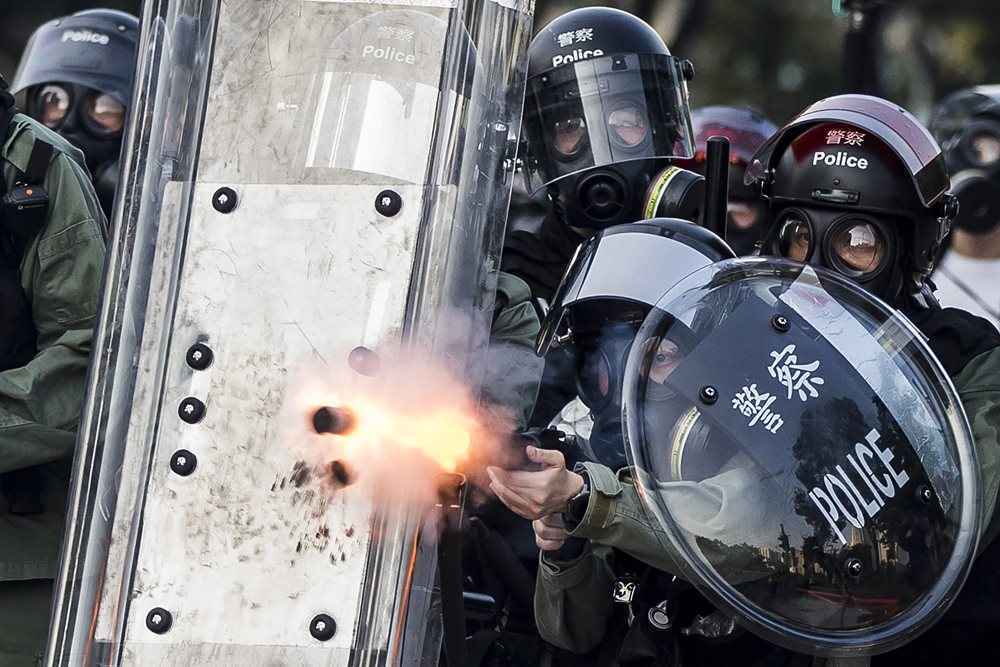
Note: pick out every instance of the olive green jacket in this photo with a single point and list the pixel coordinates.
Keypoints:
(513, 370)
(40, 403)
(573, 603)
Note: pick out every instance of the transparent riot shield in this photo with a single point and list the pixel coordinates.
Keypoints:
(302, 178)
(805, 455)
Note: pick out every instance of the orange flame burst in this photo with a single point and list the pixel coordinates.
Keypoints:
(442, 434)
(413, 419)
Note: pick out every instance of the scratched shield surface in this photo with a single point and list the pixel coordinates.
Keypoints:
(246, 550)
(280, 291)
(369, 150)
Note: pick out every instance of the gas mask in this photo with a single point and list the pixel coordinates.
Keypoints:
(89, 119)
(860, 246)
(974, 160)
(601, 361)
(746, 214)
(595, 198)
(76, 76)
(633, 189)
(857, 185)
(601, 198)
(746, 130)
(598, 132)
(602, 301)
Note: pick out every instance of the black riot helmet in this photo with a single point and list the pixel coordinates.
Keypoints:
(602, 300)
(746, 130)
(606, 107)
(857, 185)
(76, 77)
(967, 126)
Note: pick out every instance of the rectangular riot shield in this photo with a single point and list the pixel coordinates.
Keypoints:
(301, 178)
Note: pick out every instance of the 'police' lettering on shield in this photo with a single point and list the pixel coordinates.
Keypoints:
(390, 53)
(840, 498)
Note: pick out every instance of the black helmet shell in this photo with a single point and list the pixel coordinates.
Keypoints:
(745, 128)
(591, 32)
(952, 117)
(843, 165)
(95, 48)
(893, 125)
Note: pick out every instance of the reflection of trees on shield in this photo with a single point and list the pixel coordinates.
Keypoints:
(818, 450)
(904, 546)
(737, 563)
(911, 527)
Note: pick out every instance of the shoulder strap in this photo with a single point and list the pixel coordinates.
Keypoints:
(38, 162)
(6, 116)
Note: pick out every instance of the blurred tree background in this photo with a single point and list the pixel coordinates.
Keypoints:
(775, 55)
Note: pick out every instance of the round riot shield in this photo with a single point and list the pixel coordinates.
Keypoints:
(805, 455)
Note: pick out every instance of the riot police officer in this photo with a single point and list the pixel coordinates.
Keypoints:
(606, 111)
(597, 312)
(854, 185)
(52, 241)
(75, 77)
(746, 131)
(967, 125)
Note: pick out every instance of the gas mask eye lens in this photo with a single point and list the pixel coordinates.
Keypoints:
(628, 126)
(985, 149)
(105, 112)
(569, 135)
(860, 246)
(53, 105)
(795, 238)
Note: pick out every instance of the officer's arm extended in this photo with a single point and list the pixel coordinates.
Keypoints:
(61, 276)
(513, 371)
(573, 598)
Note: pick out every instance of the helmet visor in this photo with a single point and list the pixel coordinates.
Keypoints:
(603, 269)
(84, 50)
(603, 111)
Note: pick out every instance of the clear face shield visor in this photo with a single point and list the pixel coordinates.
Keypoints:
(604, 111)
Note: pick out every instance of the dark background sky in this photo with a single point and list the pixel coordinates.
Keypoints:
(776, 55)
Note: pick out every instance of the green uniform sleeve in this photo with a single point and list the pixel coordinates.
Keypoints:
(573, 599)
(978, 388)
(616, 518)
(573, 605)
(61, 275)
(513, 370)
